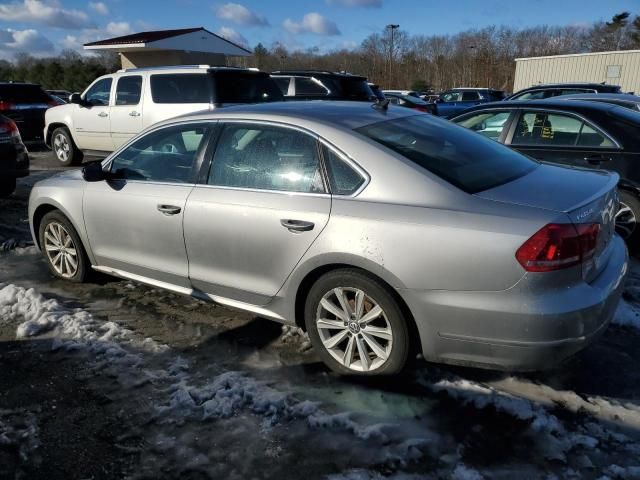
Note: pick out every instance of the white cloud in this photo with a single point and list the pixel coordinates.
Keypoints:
(312, 23)
(240, 14)
(99, 7)
(233, 36)
(29, 41)
(355, 3)
(44, 13)
(118, 29)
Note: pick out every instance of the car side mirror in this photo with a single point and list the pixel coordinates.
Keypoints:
(94, 172)
(76, 98)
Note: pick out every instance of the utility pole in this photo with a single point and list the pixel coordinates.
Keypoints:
(391, 27)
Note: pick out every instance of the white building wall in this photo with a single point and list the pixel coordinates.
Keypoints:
(588, 67)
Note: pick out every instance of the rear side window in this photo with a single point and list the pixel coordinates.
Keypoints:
(462, 158)
(180, 88)
(470, 96)
(22, 93)
(245, 87)
(343, 179)
(311, 87)
(128, 90)
(541, 128)
(283, 84)
(533, 95)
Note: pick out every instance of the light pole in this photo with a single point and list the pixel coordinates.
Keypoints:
(391, 27)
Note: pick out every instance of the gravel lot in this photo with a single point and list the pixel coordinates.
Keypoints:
(113, 379)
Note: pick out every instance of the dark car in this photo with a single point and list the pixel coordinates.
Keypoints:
(626, 100)
(454, 101)
(321, 85)
(377, 91)
(548, 90)
(63, 94)
(409, 101)
(582, 134)
(14, 159)
(25, 104)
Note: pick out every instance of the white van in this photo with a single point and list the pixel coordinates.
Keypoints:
(116, 107)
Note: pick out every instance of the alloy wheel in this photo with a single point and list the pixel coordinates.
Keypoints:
(61, 147)
(60, 249)
(625, 221)
(354, 329)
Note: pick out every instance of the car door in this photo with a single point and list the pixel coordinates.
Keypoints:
(447, 104)
(126, 111)
(561, 137)
(134, 219)
(261, 205)
(91, 120)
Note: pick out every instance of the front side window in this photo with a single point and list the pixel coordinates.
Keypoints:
(470, 96)
(99, 93)
(551, 129)
(343, 179)
(128, 90)
(534, 95)
(180, 88)
(451, 97)
(165, 155)
(458, 156)
(488, 124)
(265, 157)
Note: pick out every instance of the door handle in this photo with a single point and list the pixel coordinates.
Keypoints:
(597, 159)
(134, 114)
(297, 225)
(169, 209)
(103, 114)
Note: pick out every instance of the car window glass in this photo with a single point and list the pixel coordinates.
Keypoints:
(450, 97)
(128, 90)
(572, 91)
(245, 86)
(266, 158)
(470, 96)
(488, 124)
(394, 100)
(309, 86)
(165, 155)
(343, 179)
(180, 88)
(535, 95)
(100, 93)
(283, 84)
(590, 137)
(540, 128)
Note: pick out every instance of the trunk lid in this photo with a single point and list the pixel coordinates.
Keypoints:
(585, 196)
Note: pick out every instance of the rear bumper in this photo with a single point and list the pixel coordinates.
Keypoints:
(519, 328)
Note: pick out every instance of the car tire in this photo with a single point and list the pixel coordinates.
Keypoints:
(627, 220)
(62, 248)
(383, 342)
(64, 148)
(7, 187)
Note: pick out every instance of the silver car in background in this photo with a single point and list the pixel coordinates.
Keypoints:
(377, 230)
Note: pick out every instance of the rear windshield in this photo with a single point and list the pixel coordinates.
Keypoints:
(245, 87)
(180, 88)
(17, 93)
(467, 160)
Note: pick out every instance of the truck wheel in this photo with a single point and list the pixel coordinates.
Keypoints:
(7, 187)
(64, 148)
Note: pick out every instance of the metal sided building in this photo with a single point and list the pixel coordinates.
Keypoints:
(616, 68)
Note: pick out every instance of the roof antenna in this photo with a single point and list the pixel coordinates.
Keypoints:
(381, 104)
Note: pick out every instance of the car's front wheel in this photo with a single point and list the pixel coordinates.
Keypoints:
(62, 248)
(7, 186)
(627, 220)
(64, 148)
(355, 324)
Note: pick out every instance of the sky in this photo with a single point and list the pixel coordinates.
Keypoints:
(45, 27)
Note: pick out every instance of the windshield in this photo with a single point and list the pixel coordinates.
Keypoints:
(462, 158)
(245, 87)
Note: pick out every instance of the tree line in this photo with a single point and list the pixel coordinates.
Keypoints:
(392, 58)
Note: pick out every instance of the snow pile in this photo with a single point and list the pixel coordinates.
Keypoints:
(623, 473)
(368, 475)
(18, 432)
(462, 472)
(292, 334)
(627, 315)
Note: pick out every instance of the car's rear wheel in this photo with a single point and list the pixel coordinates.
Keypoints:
(627, 219)
(62, 248)
(355, 324)
(7, 186)
(64, 148)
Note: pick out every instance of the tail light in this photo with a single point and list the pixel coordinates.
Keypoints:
(9, 128)
(6, 105)
(422, 109)
(558, 246)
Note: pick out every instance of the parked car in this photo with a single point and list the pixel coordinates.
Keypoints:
(371, 228)
(577, 133)
(116, 107)
(410, 93)
(14, 159)
(322, 85)
(377, 91)
(457, 100)
(25, 104)
(548, 90)
(626, 100)
(409, 101)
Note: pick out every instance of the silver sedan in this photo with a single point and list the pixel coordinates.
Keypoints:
(381, 232)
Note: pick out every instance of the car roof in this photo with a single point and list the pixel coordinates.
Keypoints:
(341, 114)
(571, 84)
(625, 97)
(314, 73)
(575, 106)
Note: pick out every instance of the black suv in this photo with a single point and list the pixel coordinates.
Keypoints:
(321, 85)
(548, 90)
(25, 104)
(14, 160)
